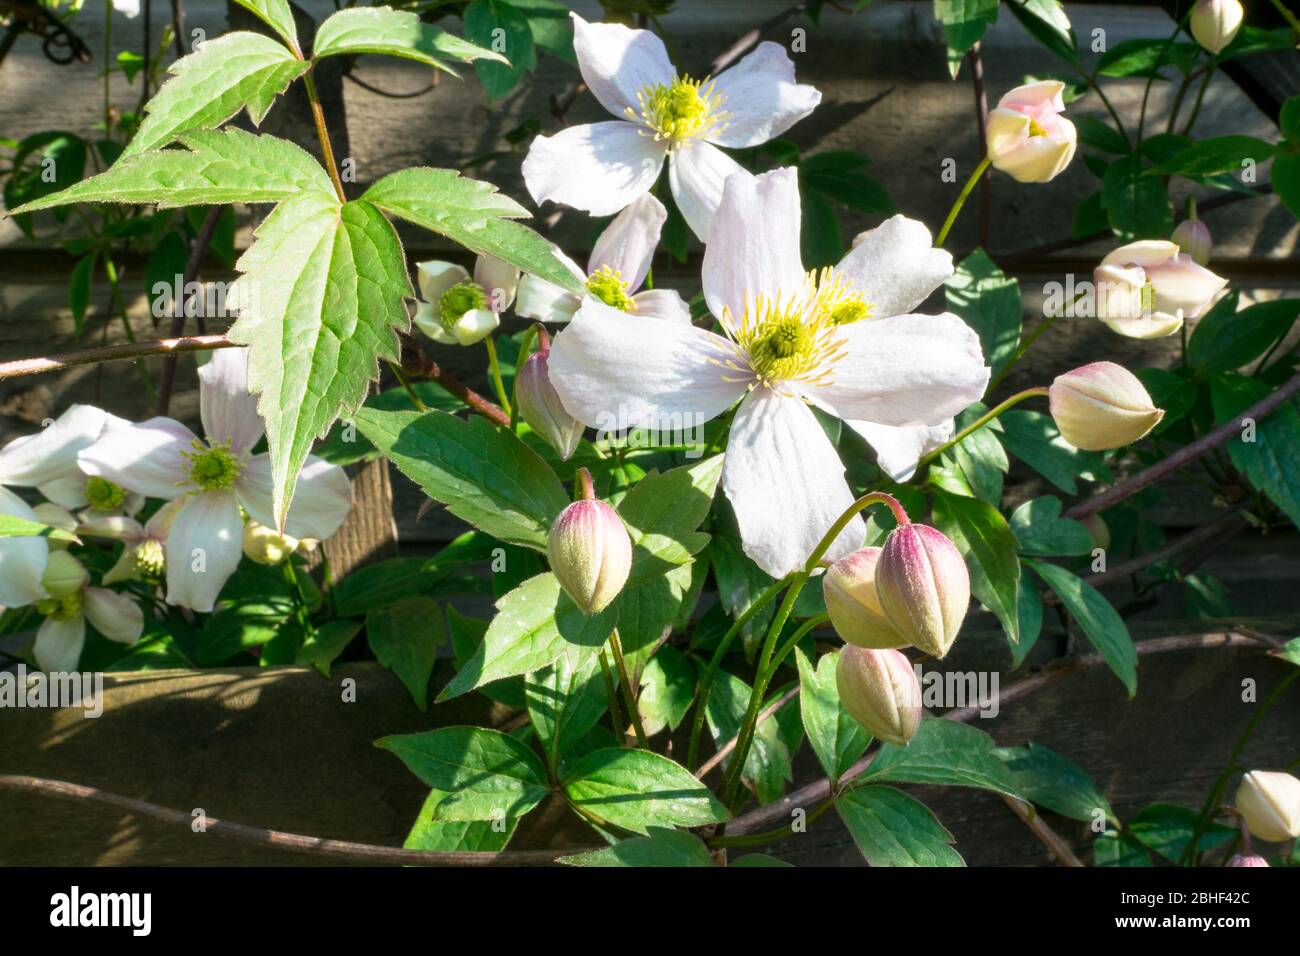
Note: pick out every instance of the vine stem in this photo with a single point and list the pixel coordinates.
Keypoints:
(112, 353)
(961, 201)
(629, 699)
(980, 422)
(1200, 98)
(498, 383)
(1287, 15)
(323, 134)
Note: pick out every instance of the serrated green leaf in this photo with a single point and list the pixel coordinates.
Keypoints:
(663, 847)
(836, 738)
(241, 70)
(15, 527)
(399, 33)
(985, 540)
(564, 702)
(1046, 21)
(488, 22)
(1269, 460)
(893, 829)
(405, 638)
(646, 613)
(1100, 622)
(980, 456)
(1040, 529)
(768, 765)
(326, 643)
(667, 689)
(473, 214)
(980, 293)
(430, 832)
(964, 23)
(638, 789)
(321, 296)
(662, 512)
(277, 15)
(1049, 780)
(483, 474)
(947, 753)
(1226, 339)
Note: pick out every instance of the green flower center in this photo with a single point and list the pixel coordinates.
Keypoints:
(459, 299)
(61, 608)
(103, 494)
(682, 110)
(608, 286)
(150, 560)
(1035, 129)
(213, 468)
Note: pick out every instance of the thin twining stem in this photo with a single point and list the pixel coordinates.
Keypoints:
(112, 353)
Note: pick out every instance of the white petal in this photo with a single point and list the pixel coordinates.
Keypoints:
(545, 301)
(499, 280)
(22, 560)
(58, 644)
(899, 448)
(905, 370)
(320, 503)
(228, 410)
(665, 304)
(51, 454)
(617, 62)
(474, 326)
(117, 527)
(1153, 325)
(628, 243)
(599, 168)
(436, 277)
(203, 549)
(753, 244)
(69, 492)
(614, 370)
(428, 321)
(160, 524)
(147, 458)
(696, 175)
(786, 484)
(895, 266)
(114, 615)
(762, 97)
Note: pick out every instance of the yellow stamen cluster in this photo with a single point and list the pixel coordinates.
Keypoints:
(682, 110)
(61, 608)
(836, 299)
(149, 558)
(1035, 129)
(607, 285)
(783, 340)
(212, 468)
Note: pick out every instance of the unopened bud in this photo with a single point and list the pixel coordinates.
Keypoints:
(879, 689)
(923, 586)
(1269, 802)
(590, 553)
(265, 545)
(849, 587)
(1193, 238)
(540, 406)
(1101, 406)
(1244, 860)
(63, 575)
(1215, 23)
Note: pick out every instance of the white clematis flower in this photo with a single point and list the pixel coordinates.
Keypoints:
(68, 602)
(618, 265)
(161, 458)
(1147, 288)
(22, 560)
(459, 309)
(144, 556)
(839, 340)
(603, 167)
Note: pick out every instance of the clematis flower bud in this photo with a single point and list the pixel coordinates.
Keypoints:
(879, 689)
(540, 405)
(1269, 802)
(1147, 288)
(63, 575)
(1215, 23)
(1193, 238)
(1243, 860)
(1102, 405)
(264, 545)
(923, 587)
(849, 587)
(1028, 138)
(590, 553)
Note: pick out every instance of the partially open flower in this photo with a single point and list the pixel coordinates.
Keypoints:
(1102, 405)
(1147, 288)
(590, 553)
(1215, 23)
(880, 691)
(849, 587)
(1269, 802)
(923, 586)
(459, 309)
(1028, 138)
(1193, 239)
(68, 603)
(540, 406)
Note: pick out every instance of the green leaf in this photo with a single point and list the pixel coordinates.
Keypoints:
(1143, 57)
(980, 456)
(551, 27)
(214, 168)
(1113, 849)
(980, 293)
(487, 774)
(1137, 205)
(405, 638)
(1101, 136)
(1174, 391)
(1049, 780)
(740, 582)
(1034, 439)
(768, 765)
(1040, 529)
(62, 154)
(1290, 651)
(381, 584)
(275, 14)
(1029, 612)
(646, 615)
(893, 829)
(637, 789)
(836, 738)
(488, 22)
(946, 753)
(326, 643)
(1226, 339)
(1285, 176)
(1100, 622)
(667, 689)
(483, 474)
(1269, 461)
(1046, 22)
(473, 214)
(79, 287)
(662, 512)
(964, 23)
(1218, 154)
(758, 859)
(321, 297)
(398, 33)
(240, 70)
(663, 847)
(535, 624)
(564, 702)
(985, 540)
(1167, 829)
(15, 527)
(345, 445)
(431, 832)
(838, 175)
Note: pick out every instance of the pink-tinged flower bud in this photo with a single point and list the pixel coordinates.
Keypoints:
(849, 587)
(1101, 406)
(590, 553)
(880, 691)
(1242, 860)
(540, 406)
(1269, 802)
(1028, 138)
(1147, 288)
(923, 587)
(1193, 238)
(1215, 23)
